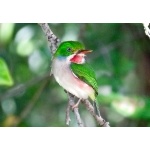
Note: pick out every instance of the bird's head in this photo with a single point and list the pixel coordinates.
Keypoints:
(72, 51)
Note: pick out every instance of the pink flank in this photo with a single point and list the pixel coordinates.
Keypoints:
(82, 84)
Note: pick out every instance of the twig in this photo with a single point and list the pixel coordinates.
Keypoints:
(76, 112)
(99, 119)
(68, 114)
(53, 43)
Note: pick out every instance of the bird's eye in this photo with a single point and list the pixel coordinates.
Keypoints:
(69, 49)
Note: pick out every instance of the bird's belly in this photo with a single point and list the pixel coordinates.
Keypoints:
(70, 82)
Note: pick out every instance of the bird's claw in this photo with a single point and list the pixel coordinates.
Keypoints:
(76, 105)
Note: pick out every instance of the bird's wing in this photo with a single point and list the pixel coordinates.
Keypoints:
(85, 73)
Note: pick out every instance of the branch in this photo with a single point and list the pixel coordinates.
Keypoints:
(76, 112)
(53, 43)
(68, 114)
(52, 39)
(99, 119)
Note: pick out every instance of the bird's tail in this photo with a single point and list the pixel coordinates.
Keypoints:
(96, 109)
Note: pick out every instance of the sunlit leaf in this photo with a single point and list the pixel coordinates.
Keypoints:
(5, 77)
(6, 31)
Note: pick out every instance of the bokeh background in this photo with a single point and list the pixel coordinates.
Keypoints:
(120, 58)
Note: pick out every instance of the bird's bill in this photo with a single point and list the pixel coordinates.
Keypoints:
(84, 51)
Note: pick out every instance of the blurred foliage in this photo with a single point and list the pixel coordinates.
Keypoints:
(5, 78)
(121, 60)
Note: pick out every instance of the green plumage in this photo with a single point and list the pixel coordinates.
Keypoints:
(73, 45)
(86, 73)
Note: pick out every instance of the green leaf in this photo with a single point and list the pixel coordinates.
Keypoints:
(5, 77)
(6, 32)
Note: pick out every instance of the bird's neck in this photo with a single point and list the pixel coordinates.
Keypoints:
(60, 62)
(74, 58)
(63, 59)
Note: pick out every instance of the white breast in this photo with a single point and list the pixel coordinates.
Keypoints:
(65, 77)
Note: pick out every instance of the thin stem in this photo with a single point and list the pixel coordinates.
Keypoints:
(75, 110)
(99, 119)
(68, 114)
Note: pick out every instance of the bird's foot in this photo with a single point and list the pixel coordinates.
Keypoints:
(76, 105)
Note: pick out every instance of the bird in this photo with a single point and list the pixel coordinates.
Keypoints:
(72, 72)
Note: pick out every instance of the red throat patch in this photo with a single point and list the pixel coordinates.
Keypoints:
(77, 59)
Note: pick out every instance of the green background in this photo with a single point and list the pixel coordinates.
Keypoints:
(120, 58)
